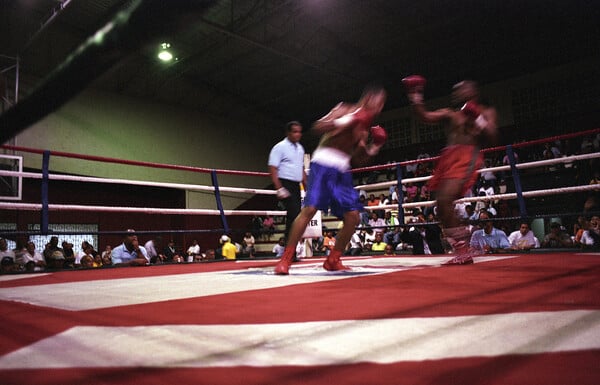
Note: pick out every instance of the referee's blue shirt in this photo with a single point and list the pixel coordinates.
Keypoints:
(288, 158)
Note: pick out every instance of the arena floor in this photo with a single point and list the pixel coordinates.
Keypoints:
(507, 319)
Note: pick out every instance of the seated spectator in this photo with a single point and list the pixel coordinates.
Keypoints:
(557, 237)
(210, 255)
(4, 252)
(86, 249)
(8, 265)
(523, 239)
(130, 252)
(328, 242)
(591, 235)
(171, 253)
(377, 223)
(268, 227)
(86, 262)
(378, 244)
(248, 249)
(356, 242)
(489, 239)
(412, 191)
(97, 260)
(107, 251)
(193, 250)
(155, 248)
(69, 254)
(56, 261)
(368, 238)
(35, 257)
(51, 247)
(279, 247)
(389, 251)
(425, 239)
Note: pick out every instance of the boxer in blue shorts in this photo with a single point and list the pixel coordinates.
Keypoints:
(345, 132)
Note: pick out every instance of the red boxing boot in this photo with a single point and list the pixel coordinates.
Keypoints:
(283, 266)
(333, 262)
(459, 240)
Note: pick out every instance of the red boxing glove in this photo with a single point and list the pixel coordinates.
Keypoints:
(472, 110)
(415, 85)
(378, 135)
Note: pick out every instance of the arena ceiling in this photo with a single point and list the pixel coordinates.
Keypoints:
(294, 59)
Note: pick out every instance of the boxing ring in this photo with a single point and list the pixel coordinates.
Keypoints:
(508, 318)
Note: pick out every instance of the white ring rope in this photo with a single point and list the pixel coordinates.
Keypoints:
(142, 210)
(137, 183)
(539, 163)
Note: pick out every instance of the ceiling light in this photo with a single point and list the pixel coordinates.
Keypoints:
(164, 53)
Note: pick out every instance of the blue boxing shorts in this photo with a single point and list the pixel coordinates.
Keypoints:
(330, 183)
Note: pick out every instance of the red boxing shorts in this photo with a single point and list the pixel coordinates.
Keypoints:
(459, 162)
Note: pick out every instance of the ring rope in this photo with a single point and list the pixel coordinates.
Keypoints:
(538, 163)
(137, 182)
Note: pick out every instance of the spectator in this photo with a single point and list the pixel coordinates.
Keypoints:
(378, 244)
(107, 251)
(35, 257)
(425, 239)
(228, 249)
(489, 239)
(210, 255)
(69, 254)
(8, 265)
(193, 250)
(248, 245)
(130, 253)
(377, 223)
(55, 261)
(154, 247)
(557, 237)
(171, 253)
(389, 251)
(356, 242)
(591, 236)
(86, 262)
(51, 247)
(279, 247)
(268, 227)
(286, 167)
(328, 242)
(523, 239)
(4, 252)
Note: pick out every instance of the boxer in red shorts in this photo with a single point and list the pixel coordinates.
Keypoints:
(469, 127)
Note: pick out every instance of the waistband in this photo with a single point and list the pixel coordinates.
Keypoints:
(332, 157)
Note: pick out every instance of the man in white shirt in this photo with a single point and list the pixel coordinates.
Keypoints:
(523, 239)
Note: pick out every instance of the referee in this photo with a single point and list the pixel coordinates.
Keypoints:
(286, 166)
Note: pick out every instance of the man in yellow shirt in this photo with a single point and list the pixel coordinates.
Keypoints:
(228, 249)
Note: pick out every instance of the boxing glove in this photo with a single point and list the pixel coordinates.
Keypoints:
(378, 139)
(378, 135)
(472, 110)
(415, 86)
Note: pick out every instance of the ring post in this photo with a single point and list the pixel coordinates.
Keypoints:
(400, 193)
(517, 180)
(44, 217)
(213, 176)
